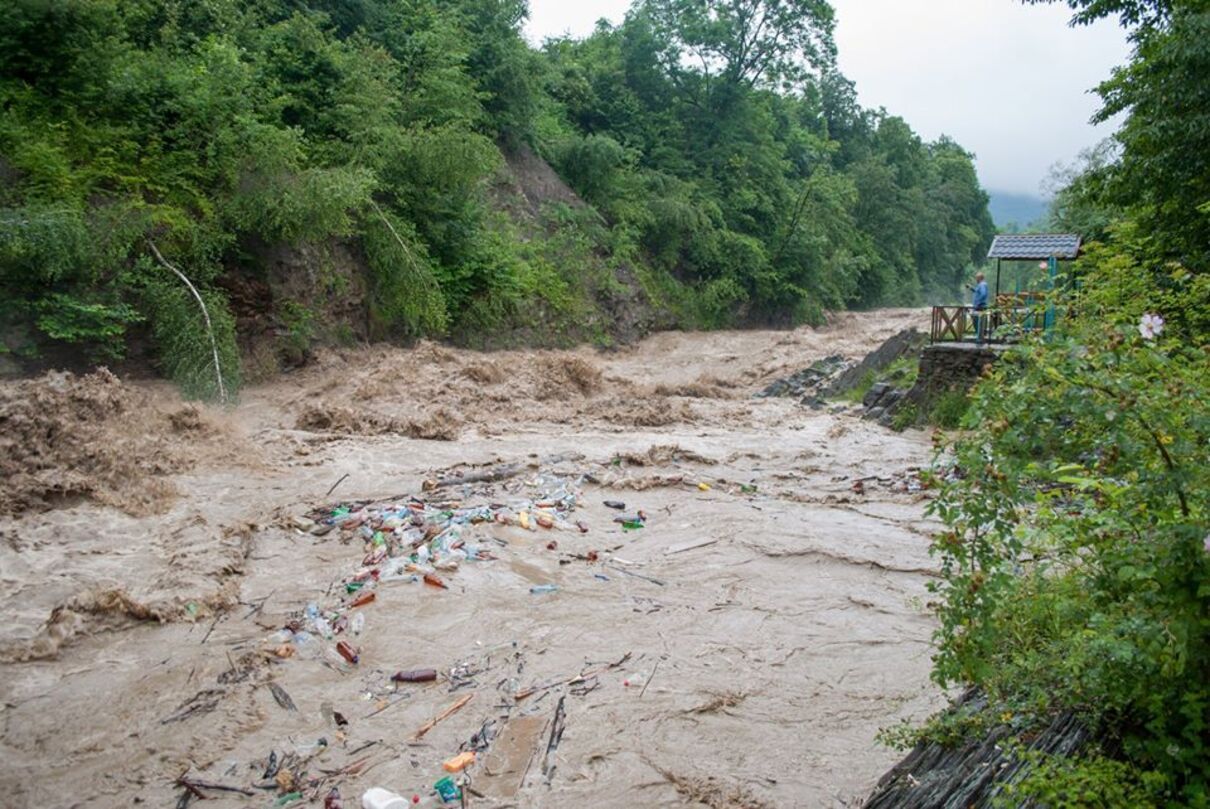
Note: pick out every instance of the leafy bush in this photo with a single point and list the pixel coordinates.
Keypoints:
(100, 326)
(184, 345)
(1076, 564)
(1089, 780)
(591, 165)
(405, 296)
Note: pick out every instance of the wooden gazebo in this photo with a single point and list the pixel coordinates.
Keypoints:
(1024, 311)
(1049, 247)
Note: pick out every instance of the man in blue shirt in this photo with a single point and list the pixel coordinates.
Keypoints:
(979, 304)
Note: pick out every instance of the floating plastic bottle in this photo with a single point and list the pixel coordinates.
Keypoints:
(310, 747)
(379, 798)
(447, 790)
(540, 589)
(348, 652)
(281, 636)
(415, 676)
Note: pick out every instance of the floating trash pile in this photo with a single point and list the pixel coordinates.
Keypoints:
(417, 540)
(426, 540)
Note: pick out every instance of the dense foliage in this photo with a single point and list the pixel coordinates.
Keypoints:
(1077, 556)
(722, 137)
(737, 177)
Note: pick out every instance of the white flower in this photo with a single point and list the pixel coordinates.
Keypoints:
(1206, 543)
(1151, 326)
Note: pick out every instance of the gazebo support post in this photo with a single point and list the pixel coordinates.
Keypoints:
(1052, 266)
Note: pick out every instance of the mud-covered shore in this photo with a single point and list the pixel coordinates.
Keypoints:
(149, 552)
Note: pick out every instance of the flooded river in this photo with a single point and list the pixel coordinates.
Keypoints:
(742, 648)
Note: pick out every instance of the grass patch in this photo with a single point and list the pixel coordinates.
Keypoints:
(856, 393)
(949, 408)
(907, 415)
(902, 372)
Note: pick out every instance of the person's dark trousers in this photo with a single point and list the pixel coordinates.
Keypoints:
(980, 325)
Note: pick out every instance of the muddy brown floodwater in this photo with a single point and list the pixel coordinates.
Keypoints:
(742, 649)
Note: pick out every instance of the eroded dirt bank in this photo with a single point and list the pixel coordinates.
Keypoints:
(141, 610)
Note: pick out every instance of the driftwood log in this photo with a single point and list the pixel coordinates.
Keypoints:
(972, 774)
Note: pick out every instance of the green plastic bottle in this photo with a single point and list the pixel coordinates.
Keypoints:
(447, 790)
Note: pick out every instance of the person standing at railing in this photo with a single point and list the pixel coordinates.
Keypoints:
(979, 304)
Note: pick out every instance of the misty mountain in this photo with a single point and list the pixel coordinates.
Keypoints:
(1022, 209)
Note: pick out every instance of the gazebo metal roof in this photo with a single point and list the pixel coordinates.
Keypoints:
(1034, 246)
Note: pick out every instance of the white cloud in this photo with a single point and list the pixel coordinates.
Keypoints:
(552, 18)
(1009, 82)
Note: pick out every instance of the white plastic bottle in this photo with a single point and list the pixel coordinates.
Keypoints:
(379, 798)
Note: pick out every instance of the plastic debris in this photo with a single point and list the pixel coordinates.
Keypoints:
(379, 798)
(631, 522)
(447, 790)
(459, 762)
(348, 652)
(415, 676)
(425, 540)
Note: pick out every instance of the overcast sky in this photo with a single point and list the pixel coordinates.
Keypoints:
(1007, 81)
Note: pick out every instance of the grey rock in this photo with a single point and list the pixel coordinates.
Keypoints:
(874, 394)
(908, 341)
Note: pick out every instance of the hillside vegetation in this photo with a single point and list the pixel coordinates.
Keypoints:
(374, 169)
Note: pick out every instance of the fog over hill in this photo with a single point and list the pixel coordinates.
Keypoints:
(1008, 208)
